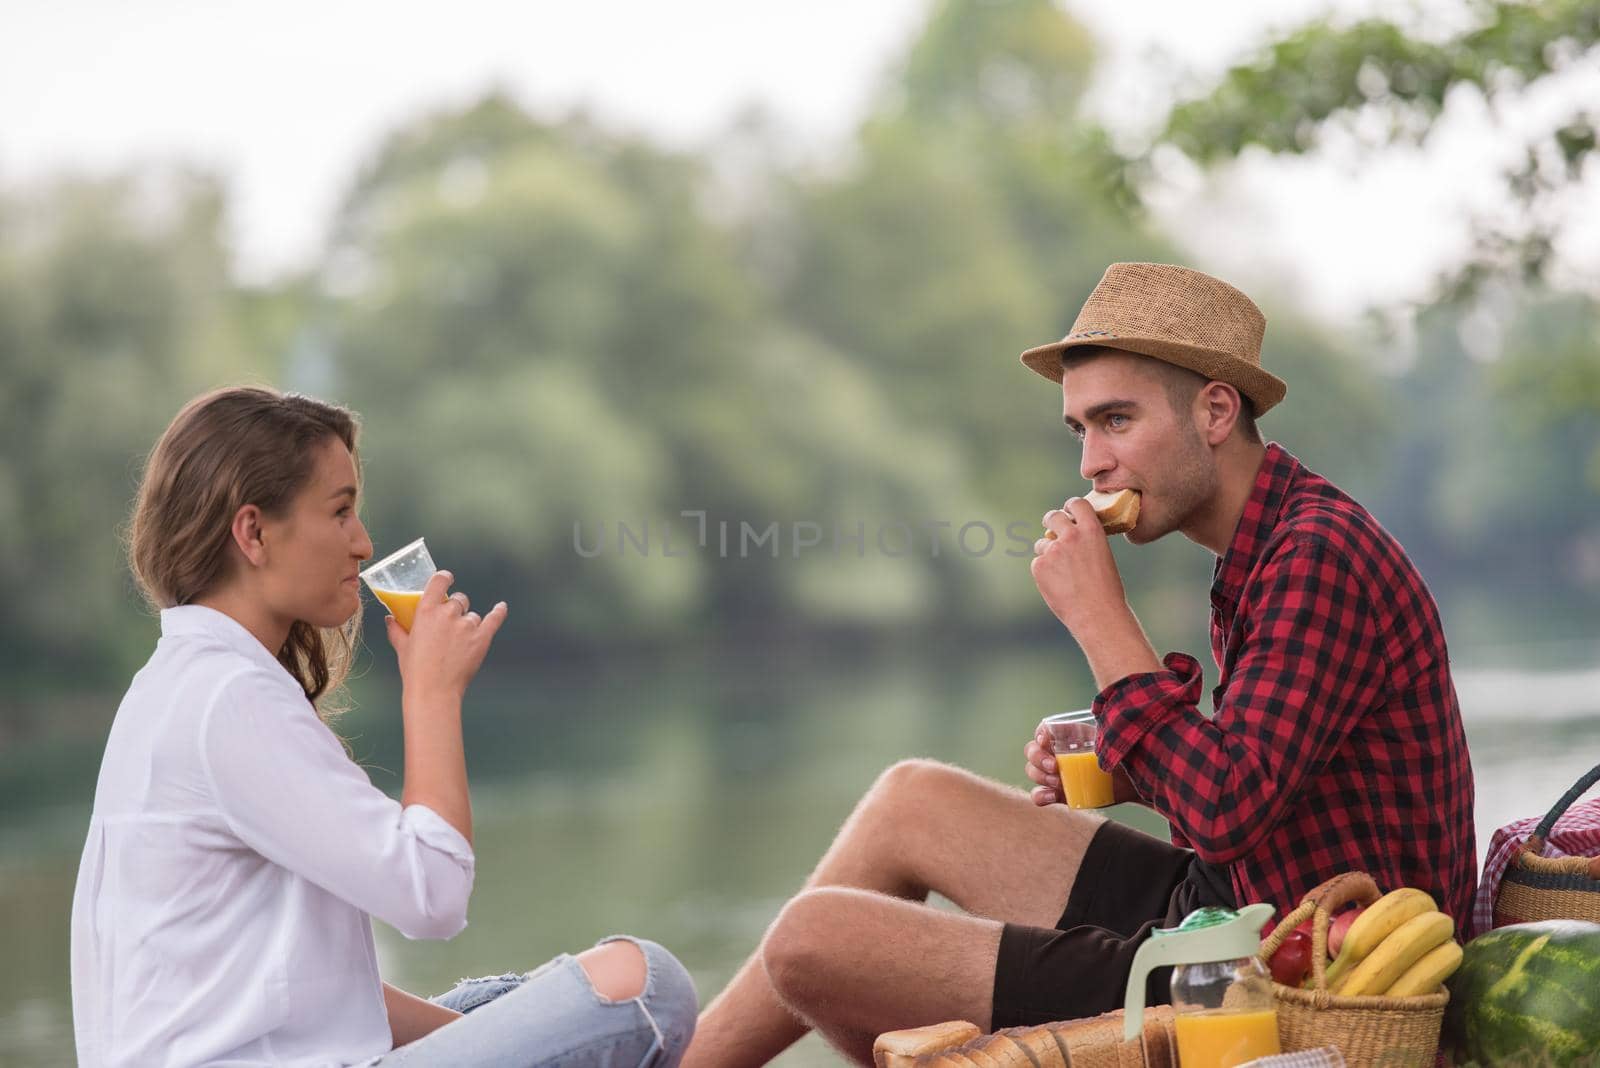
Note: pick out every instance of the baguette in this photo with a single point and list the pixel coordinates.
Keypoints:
(1118, 512)
(1005, 1051)
(899, 1049)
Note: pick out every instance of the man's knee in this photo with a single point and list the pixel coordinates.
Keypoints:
(796, 952)
(910, 785)
(616, 969)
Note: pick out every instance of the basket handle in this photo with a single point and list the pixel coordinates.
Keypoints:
(1541, 834)
(1319, 904)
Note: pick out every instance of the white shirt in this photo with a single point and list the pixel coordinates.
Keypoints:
(234, 856)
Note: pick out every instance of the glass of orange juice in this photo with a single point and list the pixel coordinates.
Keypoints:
(1073, 736)
(397, 580)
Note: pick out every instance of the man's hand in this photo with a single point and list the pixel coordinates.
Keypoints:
(1041, 768)
(1075, 571)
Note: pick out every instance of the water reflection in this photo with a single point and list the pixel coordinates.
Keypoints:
(686, 804)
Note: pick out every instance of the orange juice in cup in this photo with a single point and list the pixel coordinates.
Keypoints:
(1084, 784)
(397, 580)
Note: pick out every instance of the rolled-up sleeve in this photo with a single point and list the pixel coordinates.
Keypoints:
(1308, 669)
(288, 790)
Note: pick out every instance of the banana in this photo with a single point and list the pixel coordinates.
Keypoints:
(1374, 925)
(1429, 973)
(1403, 948)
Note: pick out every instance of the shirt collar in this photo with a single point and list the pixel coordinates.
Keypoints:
(1278, 470)
(196, 620)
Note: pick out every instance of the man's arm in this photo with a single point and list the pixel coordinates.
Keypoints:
(1309, 667)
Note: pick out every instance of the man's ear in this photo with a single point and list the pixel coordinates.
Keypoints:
(1217, 411)
(247, 534)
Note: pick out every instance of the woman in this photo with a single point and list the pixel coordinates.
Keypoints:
(236, 853)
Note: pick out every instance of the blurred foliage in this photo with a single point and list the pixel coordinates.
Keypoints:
(552, 328)
(1380, 83)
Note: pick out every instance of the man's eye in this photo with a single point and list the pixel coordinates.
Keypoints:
(1111, 420)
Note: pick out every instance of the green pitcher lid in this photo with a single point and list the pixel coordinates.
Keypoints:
(1209, 916)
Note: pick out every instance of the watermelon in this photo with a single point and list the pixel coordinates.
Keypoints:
(1527, 994)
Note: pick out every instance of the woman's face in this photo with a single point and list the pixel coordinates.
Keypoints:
(315, 550)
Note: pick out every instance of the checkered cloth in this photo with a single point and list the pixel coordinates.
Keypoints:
(1576, 834)
(1321, 1057)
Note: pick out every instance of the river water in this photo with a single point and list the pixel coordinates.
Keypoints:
(686, 805)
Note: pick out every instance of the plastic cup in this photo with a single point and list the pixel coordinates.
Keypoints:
(397, 580)
(1073, 737)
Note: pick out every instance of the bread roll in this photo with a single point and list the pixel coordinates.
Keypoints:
(899, 1049)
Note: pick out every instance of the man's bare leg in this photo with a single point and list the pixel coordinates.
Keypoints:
(923, 827)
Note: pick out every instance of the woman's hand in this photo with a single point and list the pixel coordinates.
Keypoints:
(447, 642)
(438, 658)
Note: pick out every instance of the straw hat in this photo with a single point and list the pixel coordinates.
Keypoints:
(1177, 315)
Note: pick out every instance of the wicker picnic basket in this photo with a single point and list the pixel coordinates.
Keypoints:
(1369, 1031)
(1537, 887)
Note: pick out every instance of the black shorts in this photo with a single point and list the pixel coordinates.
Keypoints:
(1128, 885)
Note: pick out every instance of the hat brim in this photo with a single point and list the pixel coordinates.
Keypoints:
(1263, 388)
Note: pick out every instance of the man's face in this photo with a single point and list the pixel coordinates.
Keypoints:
(1117, 405)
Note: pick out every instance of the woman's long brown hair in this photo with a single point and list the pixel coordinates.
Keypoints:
(226, 449)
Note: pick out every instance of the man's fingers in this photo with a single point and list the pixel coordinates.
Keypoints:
(1039, 775)
(1043, 795)
(1059, 522)
(1082, 513)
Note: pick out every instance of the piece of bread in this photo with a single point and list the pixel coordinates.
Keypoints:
(1040, 1045)
(977, 1051)
(1118, 512)
(898, 1049)
(1004, 1051)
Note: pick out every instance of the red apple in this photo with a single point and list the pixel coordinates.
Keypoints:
(1340, 926)
(1292, 961)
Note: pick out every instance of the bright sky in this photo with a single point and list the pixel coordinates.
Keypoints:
(286, 99)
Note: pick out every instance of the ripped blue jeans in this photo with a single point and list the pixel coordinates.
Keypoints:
(552, 1017)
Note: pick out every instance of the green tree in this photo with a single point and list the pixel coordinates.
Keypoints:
(1328, 76)
(115, 307)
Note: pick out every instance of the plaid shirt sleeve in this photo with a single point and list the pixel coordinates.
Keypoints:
(1307, 668)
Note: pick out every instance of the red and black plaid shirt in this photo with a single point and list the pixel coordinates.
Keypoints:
(1337, 742)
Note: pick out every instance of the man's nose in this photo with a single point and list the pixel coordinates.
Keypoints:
(1097, 459)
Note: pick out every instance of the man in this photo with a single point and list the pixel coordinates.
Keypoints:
(1336, 743)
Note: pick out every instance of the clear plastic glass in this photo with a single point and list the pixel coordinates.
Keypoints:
(397, 580)
(1073, 736)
